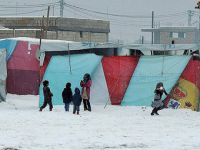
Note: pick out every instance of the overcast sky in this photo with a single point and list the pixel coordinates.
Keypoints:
(167, 13)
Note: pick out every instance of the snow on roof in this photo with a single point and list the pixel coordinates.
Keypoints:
(61, 45)
(2, 27)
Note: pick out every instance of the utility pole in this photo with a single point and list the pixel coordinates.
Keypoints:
(16, 8)
(190, 14)
(198, 7)
(152, 26)
(41, 32)
(61, 7)
(47, 23)
(142, 39)
(53, 9)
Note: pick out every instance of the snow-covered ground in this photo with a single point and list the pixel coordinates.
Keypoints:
(23, 127)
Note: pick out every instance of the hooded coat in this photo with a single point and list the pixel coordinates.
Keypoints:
(47, 94)
(86, 85)
(77, 98)
(67, 95)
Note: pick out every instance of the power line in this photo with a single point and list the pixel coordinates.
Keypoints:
(103, 13)
(121, 15)
(22, 13)
(29, 6)
(113, 21)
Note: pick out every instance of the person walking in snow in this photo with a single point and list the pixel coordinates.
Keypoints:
(85, 93)
(47, 96)
(157, 104)
(67, 96)
(76, 101)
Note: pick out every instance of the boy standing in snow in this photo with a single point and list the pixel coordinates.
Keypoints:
(76, 101)
(67, 96)
(47, 96)
(157, 104)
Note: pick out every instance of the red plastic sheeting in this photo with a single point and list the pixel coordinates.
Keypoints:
(23, 70)
(24, 57)
(118, 71)
(23, 82)
(192, 72)
(186, 91)
(44, 67)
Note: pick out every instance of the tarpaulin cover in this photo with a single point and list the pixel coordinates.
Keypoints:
(58, 73)
(44, 67)
(9, 45)
(23, 82)
(23, 69)
(118, 71)
(151, 70)
(186, 91)
(24, 57)
(99, 89)
(3, 74)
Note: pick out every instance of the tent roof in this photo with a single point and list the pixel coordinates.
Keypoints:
(61, 45)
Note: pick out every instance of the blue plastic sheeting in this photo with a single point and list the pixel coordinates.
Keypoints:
(9, 45)
(151, 70)
(58, 73)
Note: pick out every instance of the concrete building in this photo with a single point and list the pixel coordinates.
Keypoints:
(175, 35)
(70, 29)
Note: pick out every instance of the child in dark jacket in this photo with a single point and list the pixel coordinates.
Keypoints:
(47, 96)
(67, 96)
(77, 101)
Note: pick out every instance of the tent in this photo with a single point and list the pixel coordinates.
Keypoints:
(3, 74)
(59, 71)
(23, 69)
(151, 70)
(22, 65)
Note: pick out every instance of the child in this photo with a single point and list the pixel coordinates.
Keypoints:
(157, 104)
(77, 101)
(47, 96)
(67, 96)
(86, 83)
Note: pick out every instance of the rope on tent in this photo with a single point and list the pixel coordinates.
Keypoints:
(69, 60)
(162, 66)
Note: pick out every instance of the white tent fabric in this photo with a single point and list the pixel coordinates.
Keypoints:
(3, 75)
(99, 90)
(162, 47)
(61, 45)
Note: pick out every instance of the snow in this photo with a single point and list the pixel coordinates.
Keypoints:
(23, 127)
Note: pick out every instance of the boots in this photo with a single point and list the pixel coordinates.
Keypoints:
(77, 112)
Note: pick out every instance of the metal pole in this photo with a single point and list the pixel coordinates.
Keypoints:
(47, 24)
(70, 69)
(41, 32)
(152, 25)
(189, 17)
(61, 7)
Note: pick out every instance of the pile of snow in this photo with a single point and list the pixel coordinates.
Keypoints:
(23, 127)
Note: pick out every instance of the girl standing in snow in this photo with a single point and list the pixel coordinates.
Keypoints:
(157, 104)
(67, 96)
(76, 101)
(86, 84)
(47, 96)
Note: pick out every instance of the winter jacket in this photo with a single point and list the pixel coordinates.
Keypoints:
(47, 93)
(67, 95)
(77, 98)
(86, 85)
(158, 94)
(158, 98)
